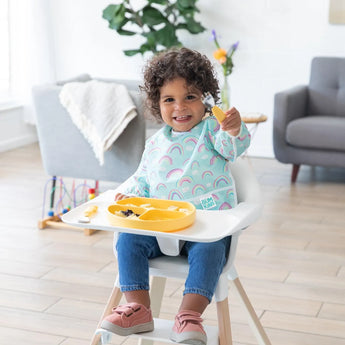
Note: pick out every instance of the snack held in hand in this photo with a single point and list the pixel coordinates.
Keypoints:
(218, 113)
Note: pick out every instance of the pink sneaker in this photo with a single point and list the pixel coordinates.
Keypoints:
(128, 319)
(188, 328)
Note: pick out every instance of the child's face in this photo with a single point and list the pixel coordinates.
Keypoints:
(180, 106)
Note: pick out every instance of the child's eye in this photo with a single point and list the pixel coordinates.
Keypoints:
(190, 97)
(169, 99)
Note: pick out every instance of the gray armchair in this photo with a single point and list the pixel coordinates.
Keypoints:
(309, 120)
(65, 151)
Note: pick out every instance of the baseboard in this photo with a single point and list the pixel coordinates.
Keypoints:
(14, 143)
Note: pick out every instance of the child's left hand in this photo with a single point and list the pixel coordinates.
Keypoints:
(232, 122)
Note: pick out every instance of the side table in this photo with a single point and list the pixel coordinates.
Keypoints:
(253, 118)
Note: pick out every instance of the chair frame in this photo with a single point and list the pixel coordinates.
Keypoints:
(161, 268)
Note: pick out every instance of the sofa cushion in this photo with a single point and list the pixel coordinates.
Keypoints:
(317, 132)
(327, 86)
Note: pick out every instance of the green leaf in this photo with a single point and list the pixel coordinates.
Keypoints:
(186, 3)
(126, 32)
(167, 36)
(117, 23)
(150, 37)
(110, 11)
(160, 2)
(181, 26)
(132, 52)
(147, 48)
(119, 20)
(193, 26)
(152, 16)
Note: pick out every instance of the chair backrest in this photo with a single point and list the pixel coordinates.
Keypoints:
(247, 186)
(327, 87)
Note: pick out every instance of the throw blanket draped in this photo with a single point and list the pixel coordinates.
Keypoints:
(100, 110)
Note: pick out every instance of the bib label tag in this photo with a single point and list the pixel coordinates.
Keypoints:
(207, 202)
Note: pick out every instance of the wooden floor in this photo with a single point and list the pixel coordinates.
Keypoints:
(54, 283)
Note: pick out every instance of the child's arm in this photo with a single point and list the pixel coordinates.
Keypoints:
(232, 138)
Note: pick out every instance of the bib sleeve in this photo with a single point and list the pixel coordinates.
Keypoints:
(228, 146)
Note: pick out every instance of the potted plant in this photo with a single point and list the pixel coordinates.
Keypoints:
(157, 21)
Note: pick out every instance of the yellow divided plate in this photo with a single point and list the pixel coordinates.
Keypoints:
(152, 214)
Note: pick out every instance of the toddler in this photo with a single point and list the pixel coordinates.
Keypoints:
(185, 160)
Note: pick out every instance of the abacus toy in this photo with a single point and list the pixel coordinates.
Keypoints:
(77, 195)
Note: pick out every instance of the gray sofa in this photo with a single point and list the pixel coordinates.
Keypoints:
(309, 120)
(65, 151)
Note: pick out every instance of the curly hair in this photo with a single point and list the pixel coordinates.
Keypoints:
(184, 63)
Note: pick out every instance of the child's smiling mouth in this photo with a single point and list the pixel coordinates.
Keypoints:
(182, 118)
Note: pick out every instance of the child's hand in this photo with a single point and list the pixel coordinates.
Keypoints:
(120, 196)
(232, 122)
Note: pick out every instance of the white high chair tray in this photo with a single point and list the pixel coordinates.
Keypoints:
(209, 226)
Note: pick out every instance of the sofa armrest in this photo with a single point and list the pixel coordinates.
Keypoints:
(289, 105)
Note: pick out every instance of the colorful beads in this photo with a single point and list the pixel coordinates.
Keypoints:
(92, 194)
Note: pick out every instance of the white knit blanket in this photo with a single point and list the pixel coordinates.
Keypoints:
(100, 110)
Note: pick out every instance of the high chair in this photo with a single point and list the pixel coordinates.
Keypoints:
(161, 268)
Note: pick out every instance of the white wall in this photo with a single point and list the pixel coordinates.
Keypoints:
(278, 39)
(13, 131)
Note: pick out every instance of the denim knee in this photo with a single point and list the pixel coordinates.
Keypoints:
(133, 253)
(206, 263)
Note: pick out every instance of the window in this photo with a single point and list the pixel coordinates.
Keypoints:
(4, 49)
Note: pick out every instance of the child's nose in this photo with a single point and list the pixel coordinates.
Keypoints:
(180, 105)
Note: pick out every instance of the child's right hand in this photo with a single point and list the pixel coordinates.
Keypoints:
(120, 196)
(232, 122)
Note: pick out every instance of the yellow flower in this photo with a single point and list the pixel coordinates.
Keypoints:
(220, 55)
(222, 60)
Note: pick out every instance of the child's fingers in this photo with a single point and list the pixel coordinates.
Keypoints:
(120, 196)
(232, 122)
(232, 112)
(233, 119)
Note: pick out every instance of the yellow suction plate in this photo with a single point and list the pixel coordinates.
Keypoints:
(153, 214)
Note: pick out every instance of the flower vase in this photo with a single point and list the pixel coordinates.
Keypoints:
(225, 94)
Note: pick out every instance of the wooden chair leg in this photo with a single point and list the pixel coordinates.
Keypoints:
(254, 321)
(114, 299)
(157, 292)
(225, 337)
(295, 170)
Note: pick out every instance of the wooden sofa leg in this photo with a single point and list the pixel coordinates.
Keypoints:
(294, 174)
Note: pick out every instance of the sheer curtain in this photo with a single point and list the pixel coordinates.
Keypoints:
(31, 51)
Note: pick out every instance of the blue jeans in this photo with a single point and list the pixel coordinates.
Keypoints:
(206, 262)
